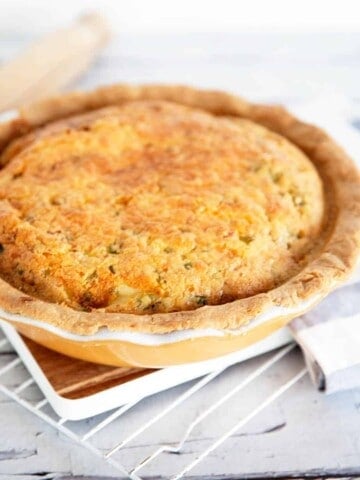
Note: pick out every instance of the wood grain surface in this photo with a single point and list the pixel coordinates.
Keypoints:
(72, 378)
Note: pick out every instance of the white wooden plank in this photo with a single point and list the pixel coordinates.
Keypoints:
(298, 434)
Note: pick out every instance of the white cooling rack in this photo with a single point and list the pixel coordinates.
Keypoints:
(90, 434)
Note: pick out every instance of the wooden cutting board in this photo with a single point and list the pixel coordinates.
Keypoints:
(75, 379)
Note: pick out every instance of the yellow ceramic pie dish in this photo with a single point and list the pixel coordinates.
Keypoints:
(155, 350)
(161, 225)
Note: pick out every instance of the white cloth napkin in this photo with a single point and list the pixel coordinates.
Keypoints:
(329, 335)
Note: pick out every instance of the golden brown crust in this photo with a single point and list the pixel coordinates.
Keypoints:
(332, 264)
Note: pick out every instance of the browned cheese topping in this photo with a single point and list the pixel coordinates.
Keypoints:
(154, 207)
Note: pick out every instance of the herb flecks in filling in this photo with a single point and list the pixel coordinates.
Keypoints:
(153, 207)
(201, 300)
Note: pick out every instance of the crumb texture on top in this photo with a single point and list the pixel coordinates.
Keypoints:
(154, 207)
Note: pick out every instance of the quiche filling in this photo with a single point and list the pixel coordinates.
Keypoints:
(154, 207)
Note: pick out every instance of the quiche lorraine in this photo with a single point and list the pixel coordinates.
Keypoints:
(161, 209)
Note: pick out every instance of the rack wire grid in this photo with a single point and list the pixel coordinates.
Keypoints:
(209, 401)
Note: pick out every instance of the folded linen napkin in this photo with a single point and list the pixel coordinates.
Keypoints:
(329, 335)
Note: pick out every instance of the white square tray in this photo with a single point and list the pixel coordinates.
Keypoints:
(138, 388)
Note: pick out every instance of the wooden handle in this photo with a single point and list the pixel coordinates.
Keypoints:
(48, 65)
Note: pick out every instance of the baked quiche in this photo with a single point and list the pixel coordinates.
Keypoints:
(156, 209)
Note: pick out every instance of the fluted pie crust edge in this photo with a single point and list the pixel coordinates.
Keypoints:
(332, 265)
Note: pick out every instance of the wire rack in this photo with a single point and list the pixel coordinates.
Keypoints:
(207, 393)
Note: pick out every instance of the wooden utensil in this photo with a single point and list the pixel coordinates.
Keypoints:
(52, 62)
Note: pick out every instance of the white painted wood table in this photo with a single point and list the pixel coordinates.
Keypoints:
(303, 433)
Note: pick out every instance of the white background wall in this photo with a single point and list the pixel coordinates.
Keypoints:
(186, 15)
(267, 50)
